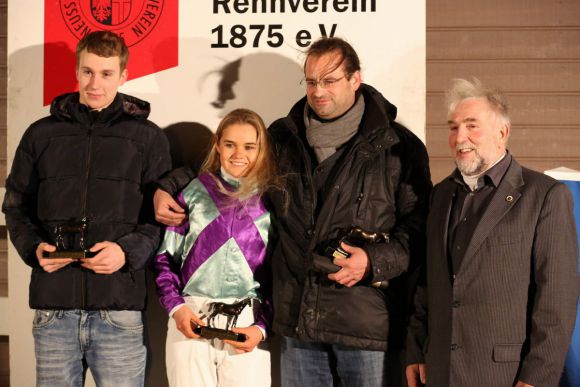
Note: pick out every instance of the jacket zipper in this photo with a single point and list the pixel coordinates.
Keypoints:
(299, 329)
(87, 172)
(84, 211)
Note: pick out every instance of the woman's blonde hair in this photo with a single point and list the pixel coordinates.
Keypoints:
(262, 175)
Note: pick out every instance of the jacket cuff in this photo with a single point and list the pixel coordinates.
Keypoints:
(383, 268)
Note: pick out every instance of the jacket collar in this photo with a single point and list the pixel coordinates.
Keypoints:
(67, 107)
(492, 176)
(512, 177)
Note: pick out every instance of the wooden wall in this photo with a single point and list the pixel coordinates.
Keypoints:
(528, 48)
(4, 340)
(3, 108)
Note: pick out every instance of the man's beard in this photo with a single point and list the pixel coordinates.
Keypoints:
(471, 167)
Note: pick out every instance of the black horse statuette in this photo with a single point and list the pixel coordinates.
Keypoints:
(232, 311)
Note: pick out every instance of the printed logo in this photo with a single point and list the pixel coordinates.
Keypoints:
(132, 19)
(112, 12)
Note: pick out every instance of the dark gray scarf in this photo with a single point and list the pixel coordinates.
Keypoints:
(326, 137)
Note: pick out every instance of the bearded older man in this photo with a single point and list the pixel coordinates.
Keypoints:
(499, 303)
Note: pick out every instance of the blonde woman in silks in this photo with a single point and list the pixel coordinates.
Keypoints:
(218, 255)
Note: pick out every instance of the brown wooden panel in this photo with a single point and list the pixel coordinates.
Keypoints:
(4, 343)
(443, 13)
(4, 340)
(4, 373)
(3, 52)
(3, 92)
(440, 168)
(4, 362)
(542, 165)
(503, 44)
(3, 262)
(516, 76)
(3, 16)
(3, 145)
(526, 109)
(548, 142)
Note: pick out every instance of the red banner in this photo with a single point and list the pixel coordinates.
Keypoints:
(149, 27)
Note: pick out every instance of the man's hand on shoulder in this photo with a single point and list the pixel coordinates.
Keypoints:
(50, 265)
(354, 268)
(167, 210)
(523, 384)
(109, 259)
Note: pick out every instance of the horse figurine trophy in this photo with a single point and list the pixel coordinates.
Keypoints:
(67, 237)
(231, 311)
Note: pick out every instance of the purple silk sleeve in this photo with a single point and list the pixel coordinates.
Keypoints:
(168, 283)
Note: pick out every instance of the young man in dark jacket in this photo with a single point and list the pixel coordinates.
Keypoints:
(346, 163)
(90, 164)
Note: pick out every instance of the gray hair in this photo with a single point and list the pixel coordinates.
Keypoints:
(462, 89)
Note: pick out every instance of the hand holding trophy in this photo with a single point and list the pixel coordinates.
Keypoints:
(334, 250)
(355, 236)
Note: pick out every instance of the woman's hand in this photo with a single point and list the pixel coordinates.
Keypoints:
(184, 317)
(253, 338)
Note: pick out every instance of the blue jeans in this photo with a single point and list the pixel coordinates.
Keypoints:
(314, 364)
(110, 343)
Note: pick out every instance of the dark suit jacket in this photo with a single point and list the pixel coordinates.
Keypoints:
(510, 312)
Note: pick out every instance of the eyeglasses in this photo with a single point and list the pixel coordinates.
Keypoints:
(326, 83)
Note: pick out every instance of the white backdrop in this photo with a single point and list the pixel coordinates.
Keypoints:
(389, 37)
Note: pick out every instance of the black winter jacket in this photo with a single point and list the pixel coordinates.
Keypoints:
(380, 182)
(75, 164)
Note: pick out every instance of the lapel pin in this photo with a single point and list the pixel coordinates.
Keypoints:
(509, 198)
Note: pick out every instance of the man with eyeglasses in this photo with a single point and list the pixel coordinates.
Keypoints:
(341, 305)
(347, 163)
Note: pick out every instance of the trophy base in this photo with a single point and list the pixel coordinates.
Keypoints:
(69, 254)
(216, 333)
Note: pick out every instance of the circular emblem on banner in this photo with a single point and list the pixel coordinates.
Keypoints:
(132, 19)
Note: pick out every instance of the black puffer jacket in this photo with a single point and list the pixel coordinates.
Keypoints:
(75, 164)
(381, 183)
